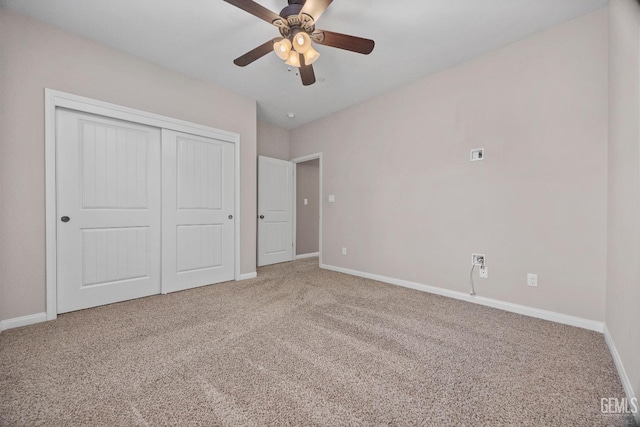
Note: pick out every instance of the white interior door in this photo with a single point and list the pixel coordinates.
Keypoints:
(275, 211)
(108, 209)
(198, 206)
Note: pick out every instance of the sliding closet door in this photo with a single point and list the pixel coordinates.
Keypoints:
(108, 210)
(198, 207)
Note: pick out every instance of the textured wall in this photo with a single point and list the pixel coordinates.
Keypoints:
(410, 205)
(623, 272)
(307, 216)
(34, 56)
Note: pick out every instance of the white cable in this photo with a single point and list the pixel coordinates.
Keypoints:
(473, 291)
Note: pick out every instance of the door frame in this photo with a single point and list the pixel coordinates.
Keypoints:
(56, 99)
(295, 205)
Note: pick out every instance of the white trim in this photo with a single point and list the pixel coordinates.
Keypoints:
(247, 276)
(55, 99)
(294, 212)
(51, 220)
(17, 322)
(622, 373)
(238, 274)
(320, 197)
(303, 256)
(93, 106)
(502, 305)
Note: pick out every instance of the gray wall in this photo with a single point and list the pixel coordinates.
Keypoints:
(307, 216)
(410, 205)
(623, 272)
(273, 141)
(34, 56)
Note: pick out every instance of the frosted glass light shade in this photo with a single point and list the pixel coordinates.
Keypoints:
(301, 42)
(294, 59)
(282, 48)
(311, 55)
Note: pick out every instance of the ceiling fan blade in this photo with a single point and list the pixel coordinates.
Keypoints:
(306, 73)
(256, 53)
(256, 10)
(314, 8)
(343, 41)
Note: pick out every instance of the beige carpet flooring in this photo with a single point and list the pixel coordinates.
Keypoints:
(303, 346)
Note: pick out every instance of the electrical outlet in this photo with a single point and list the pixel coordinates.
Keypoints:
(484, 272)
(477, 259)
(532, 280)
(344, 251)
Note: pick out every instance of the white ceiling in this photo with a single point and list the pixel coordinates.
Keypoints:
(201, 38)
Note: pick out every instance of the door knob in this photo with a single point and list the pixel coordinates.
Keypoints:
(230, 216)
(65, 219)
(261, 216)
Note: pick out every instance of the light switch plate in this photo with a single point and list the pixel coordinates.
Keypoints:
(532, 280)
(306, 202)
(332, 198)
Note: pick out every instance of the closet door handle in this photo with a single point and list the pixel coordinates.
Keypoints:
(261, 216)
(65, 219)
(230, 216)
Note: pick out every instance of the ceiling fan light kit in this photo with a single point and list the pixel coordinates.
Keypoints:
(293, 59)
(302, 42)
(282, 48)
(296, 23)
(311, 55)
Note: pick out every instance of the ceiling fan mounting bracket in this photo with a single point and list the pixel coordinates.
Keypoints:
(293, 28)
(282, 25)
(317, 37)
(307, 22)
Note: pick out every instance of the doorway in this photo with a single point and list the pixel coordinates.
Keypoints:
(307, 228)
(307, 209)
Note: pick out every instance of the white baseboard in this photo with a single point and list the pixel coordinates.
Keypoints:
(17, 322)
(315, 254)
(502, 305)
(622, 373)
(248, 276)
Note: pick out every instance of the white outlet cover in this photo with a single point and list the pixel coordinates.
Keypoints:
(477, 154)
(473, 258)
(484, 272)
(344, 251)
(332, 198)
(532, 280)
(306, 201)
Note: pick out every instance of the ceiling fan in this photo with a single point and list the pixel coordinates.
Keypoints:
(296, 23)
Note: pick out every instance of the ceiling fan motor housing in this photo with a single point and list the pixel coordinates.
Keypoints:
(292, 9)
(291, 15)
